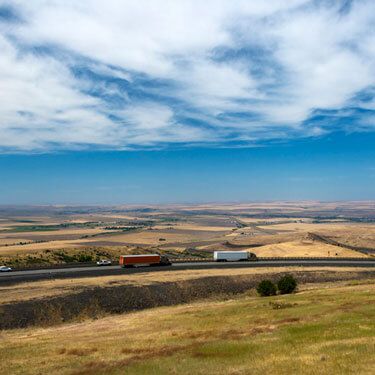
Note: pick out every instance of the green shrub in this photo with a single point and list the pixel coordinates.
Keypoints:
(287, 284)
(84, 258)
(266, 288)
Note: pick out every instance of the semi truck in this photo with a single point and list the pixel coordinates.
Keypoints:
(128, 261)
(233, 256)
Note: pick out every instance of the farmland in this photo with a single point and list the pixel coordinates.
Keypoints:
(36, 235)
(188, 321)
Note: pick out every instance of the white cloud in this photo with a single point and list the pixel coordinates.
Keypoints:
(323, 68)
(148, 116)
(40, 104)
(274, 62)
(215, 87)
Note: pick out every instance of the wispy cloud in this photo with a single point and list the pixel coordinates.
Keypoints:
(126, 74)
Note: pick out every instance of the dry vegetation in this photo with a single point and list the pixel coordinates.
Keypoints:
(47, 304)
(38, 235)
(323, 329)
(304, 248)
(59, 287)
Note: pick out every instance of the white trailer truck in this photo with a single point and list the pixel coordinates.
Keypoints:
(233, 256)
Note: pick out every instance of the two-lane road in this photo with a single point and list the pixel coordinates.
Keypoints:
(74, 272)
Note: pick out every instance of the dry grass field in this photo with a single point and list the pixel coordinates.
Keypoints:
(267, 229)
(57, 287)
(153, 237)
(304, 249)
(322, 329)
(308, 226)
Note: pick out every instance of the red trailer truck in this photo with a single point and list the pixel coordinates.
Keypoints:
(127, 261)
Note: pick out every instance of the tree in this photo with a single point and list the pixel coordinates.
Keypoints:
(287, 284)
(266, 288)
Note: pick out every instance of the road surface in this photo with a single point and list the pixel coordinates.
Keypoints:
(73, 272)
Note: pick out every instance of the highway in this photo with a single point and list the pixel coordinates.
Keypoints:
(74, 272)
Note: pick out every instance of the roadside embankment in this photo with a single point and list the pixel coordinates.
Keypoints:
(98, 301)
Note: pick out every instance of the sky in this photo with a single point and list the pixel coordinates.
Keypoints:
(163, 101)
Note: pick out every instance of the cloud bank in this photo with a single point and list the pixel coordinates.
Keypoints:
(125, 74)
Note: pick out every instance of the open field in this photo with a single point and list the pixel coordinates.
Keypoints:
(44, 304)
(304, 249)
(32, 235)
(59, 287)
(323, 329)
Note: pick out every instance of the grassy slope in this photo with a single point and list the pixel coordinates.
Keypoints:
(300, 249)
(321, 330)
(57, 287)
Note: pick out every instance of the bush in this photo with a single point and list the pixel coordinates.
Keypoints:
(84, 258)
(287, 284)
(266, 288)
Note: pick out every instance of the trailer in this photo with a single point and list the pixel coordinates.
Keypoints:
(127, 261)
(233, 256)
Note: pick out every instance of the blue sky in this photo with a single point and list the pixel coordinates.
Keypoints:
(337, 167)
(184, 100)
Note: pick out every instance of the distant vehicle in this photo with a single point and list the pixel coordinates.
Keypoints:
(5, 269)
(103, 262)
(233, 256)
(127, 261)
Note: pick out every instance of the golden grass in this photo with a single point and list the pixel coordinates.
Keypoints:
(199, 227)
(11, 241)
(37, 247)
(304, 248)
(312, 227)
(194, 231)
(51, 242)
(47, 288)
(60, 232)
(259, 221)
(320, 330)
(151, 237)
